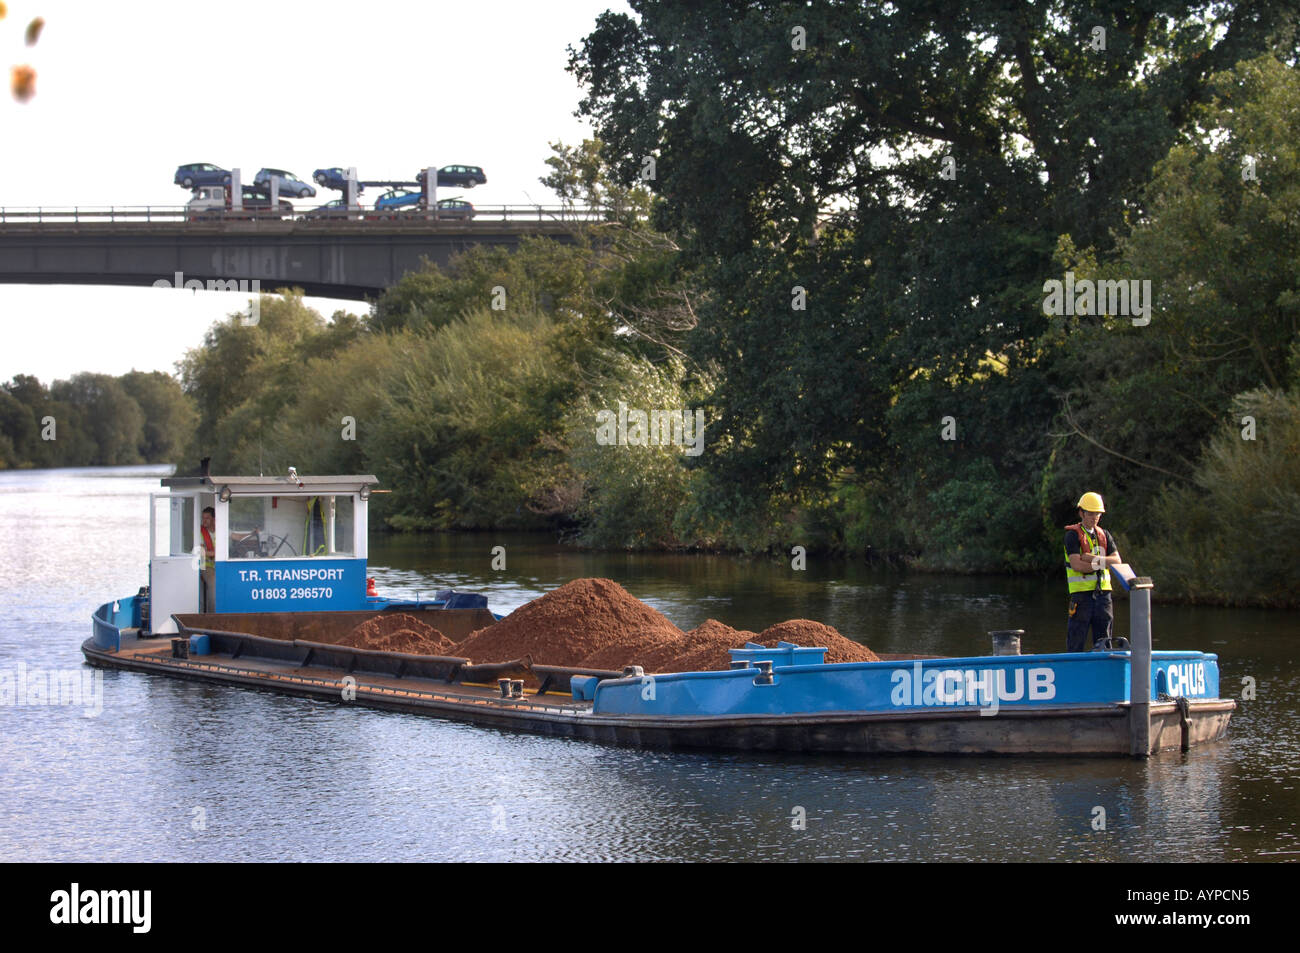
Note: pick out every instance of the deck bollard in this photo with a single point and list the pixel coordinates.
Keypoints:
(517, 688)
(1006, 641)
(504, 685)
(1139, 624)
(764, 676)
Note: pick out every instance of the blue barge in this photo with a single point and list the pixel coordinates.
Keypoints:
(279, 615)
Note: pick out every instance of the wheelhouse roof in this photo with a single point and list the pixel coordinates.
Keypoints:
(283, 483)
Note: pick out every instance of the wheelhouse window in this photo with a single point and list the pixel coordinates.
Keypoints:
(291, 527)
(173, 526)
(344, 525)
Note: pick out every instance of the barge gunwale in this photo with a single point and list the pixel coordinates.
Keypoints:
(1070, 730)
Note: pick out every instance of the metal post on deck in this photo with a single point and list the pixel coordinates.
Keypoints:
(1139, 620)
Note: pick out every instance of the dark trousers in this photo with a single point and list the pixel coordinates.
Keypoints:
(208, 590)
(1089, 611)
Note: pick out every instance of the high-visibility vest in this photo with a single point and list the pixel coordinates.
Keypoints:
(209, 549)
(307, 550)
(1087, 582)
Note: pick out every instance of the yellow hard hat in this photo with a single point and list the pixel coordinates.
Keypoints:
(1092, 503)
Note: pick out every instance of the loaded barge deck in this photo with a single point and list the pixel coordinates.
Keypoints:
(563, 701)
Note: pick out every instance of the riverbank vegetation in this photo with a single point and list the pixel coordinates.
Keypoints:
(94, 420)
(845, 269)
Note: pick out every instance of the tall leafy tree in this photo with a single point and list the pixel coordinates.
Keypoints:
(910, 167)
(1219, 241)
(245, 375)
(106, 416)
(169, 416)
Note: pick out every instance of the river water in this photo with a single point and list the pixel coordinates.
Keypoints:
(172, 770)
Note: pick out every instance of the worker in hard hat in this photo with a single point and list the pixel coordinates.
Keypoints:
(1089, 553)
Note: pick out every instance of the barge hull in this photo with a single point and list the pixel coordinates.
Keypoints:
(1070, 730)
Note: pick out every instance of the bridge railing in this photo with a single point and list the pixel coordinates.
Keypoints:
(179, 213)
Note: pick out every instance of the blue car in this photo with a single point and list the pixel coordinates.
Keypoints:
(399, 198)
(201, 173)
(334, 178)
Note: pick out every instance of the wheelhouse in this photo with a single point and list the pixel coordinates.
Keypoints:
(279, 544)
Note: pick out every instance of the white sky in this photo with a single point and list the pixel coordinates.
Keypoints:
(126, 92)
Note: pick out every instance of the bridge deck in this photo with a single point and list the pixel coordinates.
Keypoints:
(330, 257)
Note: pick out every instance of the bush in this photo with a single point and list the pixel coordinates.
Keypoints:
(1231, 539)
(632, 494)
(469, 428)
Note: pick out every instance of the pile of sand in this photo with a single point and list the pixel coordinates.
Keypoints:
(399, 632)
(707, 647)
(597, 624)
(649, 648)
(806, 632)
(568, 625)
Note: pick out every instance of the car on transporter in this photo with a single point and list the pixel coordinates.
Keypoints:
(401, 203)
(466, 176)
(334, 178)
(200, 173)
(455, 208)
(336, 208)
(398, 198)
(290, 184)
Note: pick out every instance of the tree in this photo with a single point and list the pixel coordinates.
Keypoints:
(110, 420)
(243, 376)
(580, 176)
(466, 433)
(632, 492)
(168, 412)
(1229, 537)
(18, 430)
(909, 168)
(1218, 242)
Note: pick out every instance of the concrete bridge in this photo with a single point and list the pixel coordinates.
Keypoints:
(353, 257)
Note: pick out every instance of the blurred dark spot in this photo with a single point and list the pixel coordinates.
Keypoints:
(23, 83)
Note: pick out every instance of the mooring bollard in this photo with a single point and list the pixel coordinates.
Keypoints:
(1006, 641)
(1139, 624)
